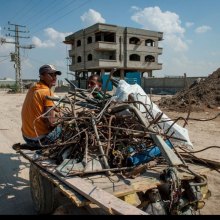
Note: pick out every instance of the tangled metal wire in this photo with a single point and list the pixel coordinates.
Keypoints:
(105, 129)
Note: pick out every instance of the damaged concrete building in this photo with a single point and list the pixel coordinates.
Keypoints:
(101, 47)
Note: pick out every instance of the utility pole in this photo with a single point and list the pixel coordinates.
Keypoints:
(15, 57)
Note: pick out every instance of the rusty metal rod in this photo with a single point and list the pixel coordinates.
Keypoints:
(100, 144)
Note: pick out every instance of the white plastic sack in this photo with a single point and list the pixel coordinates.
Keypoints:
(121, 94)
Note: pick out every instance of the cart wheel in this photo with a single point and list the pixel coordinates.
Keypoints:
(42, 191)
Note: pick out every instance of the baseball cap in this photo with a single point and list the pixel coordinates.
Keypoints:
(48, 68)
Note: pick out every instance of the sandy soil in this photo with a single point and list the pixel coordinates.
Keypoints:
(15, 196)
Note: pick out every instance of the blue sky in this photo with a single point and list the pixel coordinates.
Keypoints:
(191, 31)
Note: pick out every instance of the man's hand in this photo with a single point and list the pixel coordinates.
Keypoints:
(51, 116)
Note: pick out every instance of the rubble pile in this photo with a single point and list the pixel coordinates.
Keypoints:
(201, 95)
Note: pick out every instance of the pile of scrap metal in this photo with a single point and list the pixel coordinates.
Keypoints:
(121, 134)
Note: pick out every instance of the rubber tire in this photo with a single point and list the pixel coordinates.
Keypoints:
(42, 191)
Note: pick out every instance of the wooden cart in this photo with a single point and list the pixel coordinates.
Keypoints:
(114, 194)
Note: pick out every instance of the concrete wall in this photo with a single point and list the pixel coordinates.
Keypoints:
(169, 85)
(165, 85)
(7, 82)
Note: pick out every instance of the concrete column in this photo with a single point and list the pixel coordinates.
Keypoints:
(185, 81)
(149, 73)
(122, 75)
(102, 36)
(102, 72)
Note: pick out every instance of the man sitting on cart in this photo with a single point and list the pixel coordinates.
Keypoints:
(38, 113)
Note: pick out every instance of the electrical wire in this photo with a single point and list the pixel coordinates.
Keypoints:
(29, 10)
(18, 12)
(54, 13)
(207, 148)
(209, 119)
(3, 60)
(199, 159)
(43, 11)
(40, 62)
(5, 56)
(74, 9)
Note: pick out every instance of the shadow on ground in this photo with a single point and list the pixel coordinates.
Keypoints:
(15, 198)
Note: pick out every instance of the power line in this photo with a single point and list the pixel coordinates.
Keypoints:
(86, 2)
(18, 12)
(41, 62)
(4, 60)
(53, 13)
(4, 56)
(16, 55)
(43, 11)
(29, 10)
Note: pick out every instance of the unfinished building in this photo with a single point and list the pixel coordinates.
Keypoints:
(101, 47)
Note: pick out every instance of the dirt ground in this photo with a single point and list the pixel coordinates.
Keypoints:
(15, 196)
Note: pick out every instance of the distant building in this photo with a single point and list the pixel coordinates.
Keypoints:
(7, 82)
(101, 47)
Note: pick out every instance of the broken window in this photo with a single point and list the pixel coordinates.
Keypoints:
(134, 40)
(149, 58)
(134, 57)
(149, 43)
(89, 57)
(109, 37)
(107, 55)
(89, 40)
(98, 36)
(78, 43)
(105, 36)
(79, 59)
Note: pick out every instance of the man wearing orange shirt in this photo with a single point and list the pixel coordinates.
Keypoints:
(38, 113)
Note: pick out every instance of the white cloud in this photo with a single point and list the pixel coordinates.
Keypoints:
(56, 50)
(42, 44)
(177, 66)
(91, 17)
(215, 53)
(202, 29)
(53, 36)
(152, 18)
(179, 43)
(189, 24)
(135, 8)
(6, 48)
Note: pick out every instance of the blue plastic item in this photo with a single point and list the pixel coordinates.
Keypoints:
(146, 155)
(104, 83)
(133, 77)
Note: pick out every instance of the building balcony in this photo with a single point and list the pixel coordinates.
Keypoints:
(145, 49)
(71, 53)
(160, 50)
(105, 46)
(144, 65)
(108, 64)
(95, 64)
